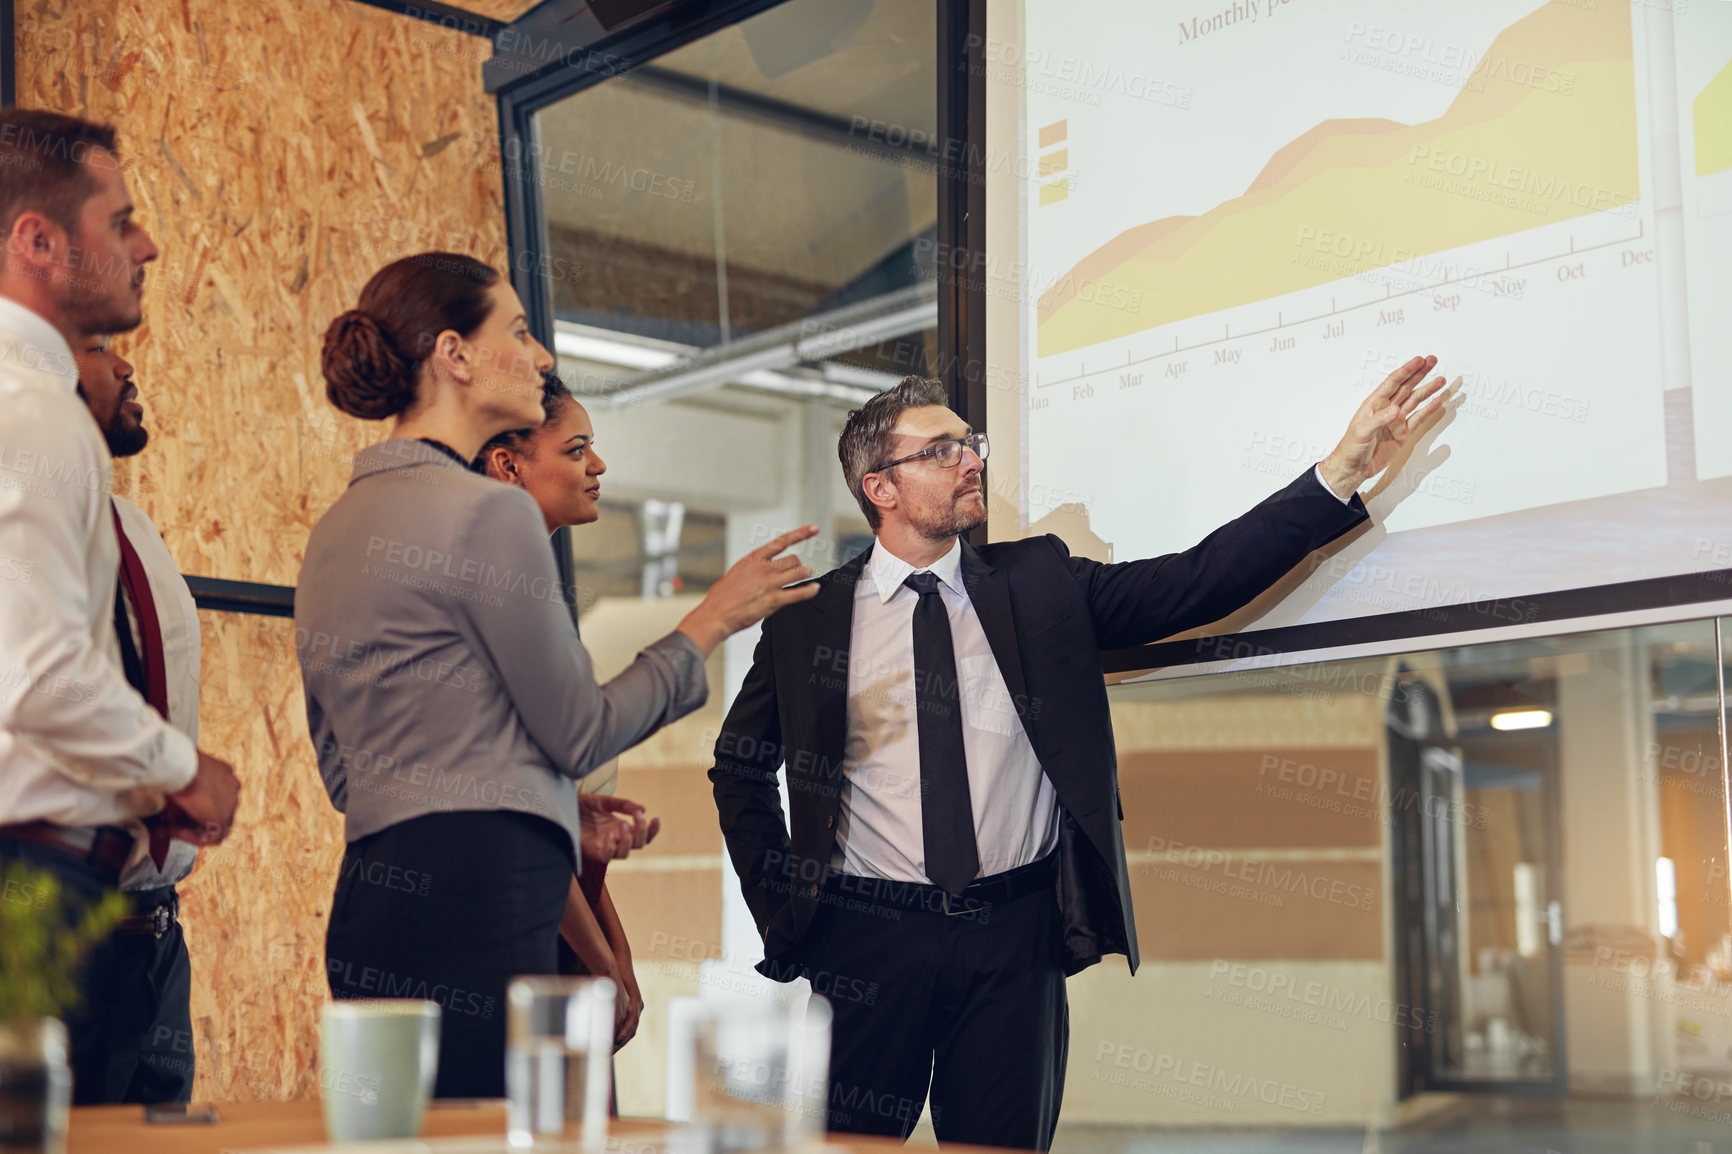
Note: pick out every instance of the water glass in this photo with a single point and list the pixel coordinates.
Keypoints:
(559, 1049)
(35, 1086)
(759, 1075)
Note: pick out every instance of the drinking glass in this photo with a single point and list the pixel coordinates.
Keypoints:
(559, 1046)
(758, 1075)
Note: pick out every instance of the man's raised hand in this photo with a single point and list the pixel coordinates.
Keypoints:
(1389, 421)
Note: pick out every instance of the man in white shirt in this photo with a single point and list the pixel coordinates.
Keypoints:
(134, 1034)
(85, 760)
(952, 851)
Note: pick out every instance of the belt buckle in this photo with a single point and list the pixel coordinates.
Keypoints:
(161, 920)
(948, 912)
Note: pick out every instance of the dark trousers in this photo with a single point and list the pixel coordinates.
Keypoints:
(450, 907)
(131, 1037)
(970, 1006)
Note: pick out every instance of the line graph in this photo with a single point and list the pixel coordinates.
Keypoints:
(1227, 336)
(1508, 155)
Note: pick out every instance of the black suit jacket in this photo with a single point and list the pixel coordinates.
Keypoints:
(1047, 616)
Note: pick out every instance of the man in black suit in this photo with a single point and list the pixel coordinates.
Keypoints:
(954, 852)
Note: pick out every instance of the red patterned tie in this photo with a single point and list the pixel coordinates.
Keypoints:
(137, 586)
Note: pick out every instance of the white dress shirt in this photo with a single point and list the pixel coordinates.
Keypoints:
(879, 833)
(1317, 471)
(177, 617)
(78, 745)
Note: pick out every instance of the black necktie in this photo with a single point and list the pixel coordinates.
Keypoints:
(947, 815)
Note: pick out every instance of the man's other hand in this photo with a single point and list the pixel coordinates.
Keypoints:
(203, 812)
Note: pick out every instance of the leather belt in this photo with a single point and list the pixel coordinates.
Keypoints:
(155, 921)
(104, 846)
(978, 898)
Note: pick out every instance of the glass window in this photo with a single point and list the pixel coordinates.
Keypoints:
(1494, 868)
(740, 246)
(740, 249)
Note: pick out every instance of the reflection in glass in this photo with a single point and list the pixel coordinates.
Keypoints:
(740, 247)
(778, 173)
(1498, 868)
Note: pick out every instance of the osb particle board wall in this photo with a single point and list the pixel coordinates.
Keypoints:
(254, 911)
(279, 151)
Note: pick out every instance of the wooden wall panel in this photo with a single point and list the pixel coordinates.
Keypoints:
(681, 797)
(280, 151)
(1293, 720)
(1249, 907)
(1489, 887)
(669, 915)
(1254, 824)
(1685, 766)
(1252, 797)
(255, 909)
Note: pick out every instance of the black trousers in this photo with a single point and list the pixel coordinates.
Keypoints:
(971, 1007)
(131, 1038)
(450, 907)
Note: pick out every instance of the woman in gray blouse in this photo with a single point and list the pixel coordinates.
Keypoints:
(450, 702)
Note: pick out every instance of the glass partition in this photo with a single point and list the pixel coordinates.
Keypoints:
(1473, 896)
(1471, 899)
(740, 245)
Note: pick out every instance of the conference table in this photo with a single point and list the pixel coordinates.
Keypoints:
(467, 1128)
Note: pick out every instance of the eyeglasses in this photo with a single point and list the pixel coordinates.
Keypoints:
(948, 454)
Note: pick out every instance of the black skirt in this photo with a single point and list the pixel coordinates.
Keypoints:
(450, 907)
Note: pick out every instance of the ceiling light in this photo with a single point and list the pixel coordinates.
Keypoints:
(911, 309)
(794, 367)
(591, 344)
(1522, 719)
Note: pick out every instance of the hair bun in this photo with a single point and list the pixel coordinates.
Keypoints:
(366, 375)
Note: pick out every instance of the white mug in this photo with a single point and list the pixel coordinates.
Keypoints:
(377, 1061)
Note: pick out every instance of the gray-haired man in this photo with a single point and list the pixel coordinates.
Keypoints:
(954, 851)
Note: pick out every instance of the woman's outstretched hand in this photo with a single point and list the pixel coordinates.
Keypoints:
(750, 591)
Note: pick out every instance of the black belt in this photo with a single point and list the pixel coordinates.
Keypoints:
(981, 895)
(104, 846)
(160, 912)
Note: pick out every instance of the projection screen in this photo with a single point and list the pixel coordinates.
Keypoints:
(1213, 228)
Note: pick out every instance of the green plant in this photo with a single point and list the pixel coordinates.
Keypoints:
(42, 941)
